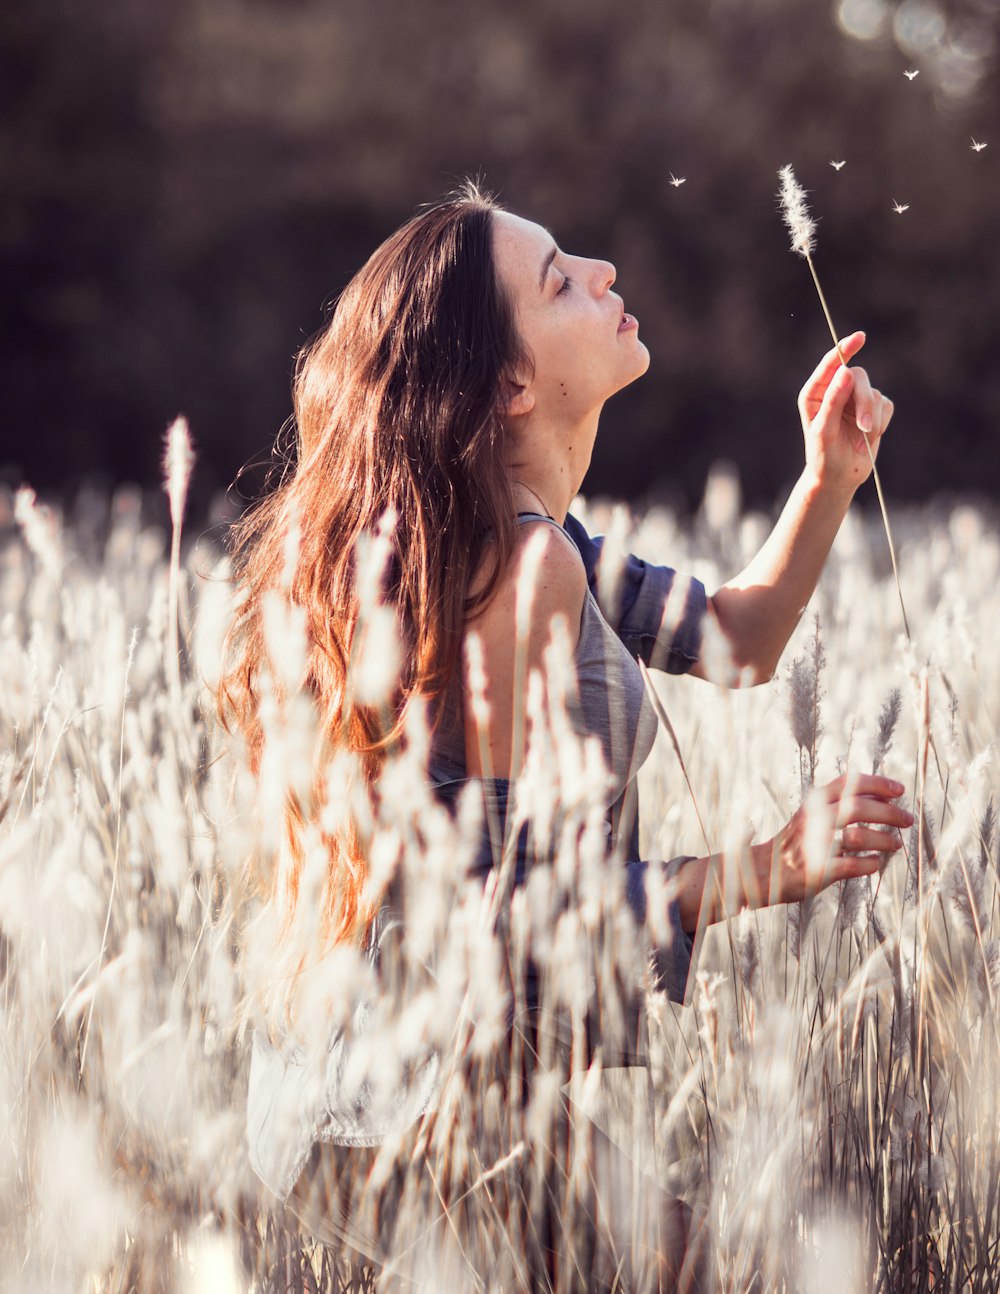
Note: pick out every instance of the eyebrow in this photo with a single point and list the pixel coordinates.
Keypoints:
(545, 267)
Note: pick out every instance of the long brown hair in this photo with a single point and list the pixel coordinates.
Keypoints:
(398, 403)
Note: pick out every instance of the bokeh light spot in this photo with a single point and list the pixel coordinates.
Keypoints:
(919, 26)
(863, 19)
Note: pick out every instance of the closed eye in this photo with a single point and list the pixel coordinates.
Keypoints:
(565, 284)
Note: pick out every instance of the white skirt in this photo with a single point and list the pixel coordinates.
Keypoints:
(353, 1197)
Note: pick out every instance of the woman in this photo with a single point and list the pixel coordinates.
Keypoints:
(460, 382)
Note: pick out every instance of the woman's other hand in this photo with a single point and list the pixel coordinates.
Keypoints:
(810, 853)
(837, 406)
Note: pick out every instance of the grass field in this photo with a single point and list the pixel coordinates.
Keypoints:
(828, 1104)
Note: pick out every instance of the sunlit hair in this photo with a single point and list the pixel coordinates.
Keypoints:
(397, 404)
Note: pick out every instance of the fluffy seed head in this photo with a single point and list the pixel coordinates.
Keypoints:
(40, 530)
(887, 720)
(796, 215)
(178, 459)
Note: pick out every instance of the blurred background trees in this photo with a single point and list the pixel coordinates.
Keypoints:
(187, 187)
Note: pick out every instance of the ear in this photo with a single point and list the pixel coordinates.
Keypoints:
(518, 399)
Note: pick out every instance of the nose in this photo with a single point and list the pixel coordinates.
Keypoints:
(606, 274)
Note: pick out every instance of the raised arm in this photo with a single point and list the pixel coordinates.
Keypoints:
(758, 609)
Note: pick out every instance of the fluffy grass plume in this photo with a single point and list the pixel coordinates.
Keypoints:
(800, 223)
(178, 460)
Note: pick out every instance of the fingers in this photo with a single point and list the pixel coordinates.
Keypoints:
(869, 808)
(872, 409)
(846, 868)
(837, 394)
(856, 783)
(856, 839)
(864, 406)
(828, 392)
(867, 413)
(885, 412)
(815, 388)
(828, 365)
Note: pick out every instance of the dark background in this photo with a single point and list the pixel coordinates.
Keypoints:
(187, 186)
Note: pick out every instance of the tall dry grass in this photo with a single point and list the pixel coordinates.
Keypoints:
(828, 1104)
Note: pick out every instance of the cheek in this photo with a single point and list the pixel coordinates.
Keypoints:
(574, 345)
(572, 352)
(553, 349)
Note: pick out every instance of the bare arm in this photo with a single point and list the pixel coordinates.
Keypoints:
(782, 870)
(758, 610)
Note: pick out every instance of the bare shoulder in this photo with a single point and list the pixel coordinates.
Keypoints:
(559, 588)
(559, 584)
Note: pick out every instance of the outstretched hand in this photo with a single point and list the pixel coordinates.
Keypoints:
(838, 406)
(811, 851)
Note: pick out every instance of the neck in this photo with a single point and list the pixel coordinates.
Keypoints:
(527, 499)
(551, 463)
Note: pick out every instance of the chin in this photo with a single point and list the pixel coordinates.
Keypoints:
(640, 365)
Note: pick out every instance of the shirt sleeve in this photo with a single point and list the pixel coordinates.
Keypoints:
(660, 614)
(671, 950)
(672, 955)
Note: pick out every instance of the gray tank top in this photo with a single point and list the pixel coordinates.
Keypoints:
(611, 699)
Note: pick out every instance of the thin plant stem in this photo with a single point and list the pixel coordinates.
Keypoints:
(826, 308)
(118, 838)
(871, 456)
(665, 720)
(173, 645)
(712, 879)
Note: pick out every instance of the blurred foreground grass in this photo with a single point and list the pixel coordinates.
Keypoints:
(828, 1103)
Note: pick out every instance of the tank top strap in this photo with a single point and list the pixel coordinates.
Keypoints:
(543, 516)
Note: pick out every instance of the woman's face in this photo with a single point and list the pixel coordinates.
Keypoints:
(585, 348)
